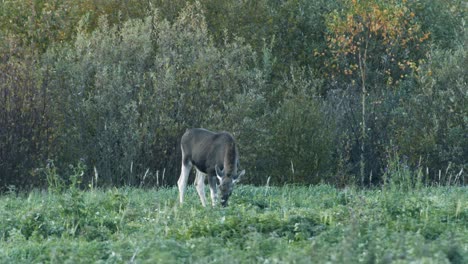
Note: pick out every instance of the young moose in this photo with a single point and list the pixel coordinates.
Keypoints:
(212, 154)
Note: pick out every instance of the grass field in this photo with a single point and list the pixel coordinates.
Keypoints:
(290, 224)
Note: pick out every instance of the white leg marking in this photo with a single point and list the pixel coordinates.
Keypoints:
(200, 184)
(182, 182)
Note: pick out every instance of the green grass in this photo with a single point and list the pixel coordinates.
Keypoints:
(290, 224)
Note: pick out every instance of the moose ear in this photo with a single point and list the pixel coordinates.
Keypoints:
(239, 176)
(219, 173)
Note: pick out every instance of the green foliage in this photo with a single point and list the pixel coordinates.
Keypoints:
(114, 84)
(131, 91)
(444, 19)
(302, 134)
(434, 116)
(298, 32)
(24, 124)
(55, 183)
(399, 175)
(374, 41)
(284, 224)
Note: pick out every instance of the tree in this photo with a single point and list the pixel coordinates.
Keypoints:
(372, 41)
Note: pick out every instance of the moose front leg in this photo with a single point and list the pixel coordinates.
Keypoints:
(213, 189)
(200, 185)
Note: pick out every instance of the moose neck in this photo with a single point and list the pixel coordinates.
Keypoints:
(230, 160)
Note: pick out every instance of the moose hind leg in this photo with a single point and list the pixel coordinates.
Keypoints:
(200, 185)
(182, 182)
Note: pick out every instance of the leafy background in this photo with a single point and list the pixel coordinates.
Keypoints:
(314, 91)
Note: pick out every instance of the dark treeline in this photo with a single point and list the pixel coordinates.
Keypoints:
(342, 92)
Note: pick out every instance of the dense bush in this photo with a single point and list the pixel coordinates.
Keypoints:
(114, 84)
(138, 88)
(25, 126)
(301, 134)
(430, 124)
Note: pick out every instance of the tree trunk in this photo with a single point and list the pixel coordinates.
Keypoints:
(362, 68)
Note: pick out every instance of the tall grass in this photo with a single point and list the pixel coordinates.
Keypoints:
(289, 224)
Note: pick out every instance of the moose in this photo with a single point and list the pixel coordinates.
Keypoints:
(212, 154)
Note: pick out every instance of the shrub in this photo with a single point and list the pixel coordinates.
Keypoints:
(430, 122)
(300, 135)
(128, 92)
(25, 126)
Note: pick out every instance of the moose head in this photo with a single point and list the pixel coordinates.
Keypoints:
(226, 183)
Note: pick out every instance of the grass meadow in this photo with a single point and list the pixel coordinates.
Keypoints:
(288, 224)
